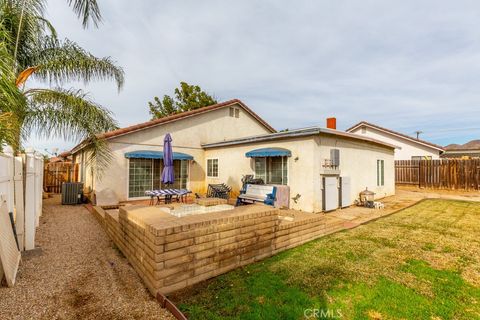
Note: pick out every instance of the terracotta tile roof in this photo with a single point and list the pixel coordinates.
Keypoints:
(365, 123)
(179, 116)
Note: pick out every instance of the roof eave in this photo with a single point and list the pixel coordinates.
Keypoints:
(300, 133)
(225, 104)
(255, 139)
(402, 136)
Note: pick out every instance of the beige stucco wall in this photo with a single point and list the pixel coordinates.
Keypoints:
(406, 149)
(358, 160)
(188, 135)
(232, 165)
(85, 173)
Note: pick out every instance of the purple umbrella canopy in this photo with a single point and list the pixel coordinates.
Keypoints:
(168, 175)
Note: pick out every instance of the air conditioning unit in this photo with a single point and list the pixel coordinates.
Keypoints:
(335, 157)
(72, 192)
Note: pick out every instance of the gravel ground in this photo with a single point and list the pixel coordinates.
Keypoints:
(78, 275)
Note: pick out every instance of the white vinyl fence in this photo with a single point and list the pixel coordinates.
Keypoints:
(21, 180)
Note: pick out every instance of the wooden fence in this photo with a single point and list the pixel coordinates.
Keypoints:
(57, 173)
(439, 174)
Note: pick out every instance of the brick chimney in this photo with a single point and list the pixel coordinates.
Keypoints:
(332, 123)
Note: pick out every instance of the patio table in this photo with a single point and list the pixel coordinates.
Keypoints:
(167, 195)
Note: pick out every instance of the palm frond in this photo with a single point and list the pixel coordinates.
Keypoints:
(99, 156)
(87, 10)
(69, 114)
(48, 25)
(62, 61)
(12, 101)
(22, 21)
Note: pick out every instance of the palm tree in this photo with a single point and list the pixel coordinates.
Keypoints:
(30, 48)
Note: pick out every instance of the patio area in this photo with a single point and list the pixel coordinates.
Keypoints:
(172, 252)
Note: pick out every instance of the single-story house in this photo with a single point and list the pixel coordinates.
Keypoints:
(408, 148)
(469, 150)
(223, 142)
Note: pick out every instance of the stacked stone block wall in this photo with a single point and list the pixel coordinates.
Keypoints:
(177, 254)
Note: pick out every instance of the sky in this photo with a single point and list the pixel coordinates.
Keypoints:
(404, 65)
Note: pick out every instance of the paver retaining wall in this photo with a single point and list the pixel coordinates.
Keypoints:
(172, 253)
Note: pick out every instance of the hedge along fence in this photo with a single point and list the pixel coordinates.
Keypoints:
(439, 174)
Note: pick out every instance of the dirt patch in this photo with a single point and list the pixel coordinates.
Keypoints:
(78, 275)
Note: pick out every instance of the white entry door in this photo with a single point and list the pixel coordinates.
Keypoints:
(330, 193)
(345, 198)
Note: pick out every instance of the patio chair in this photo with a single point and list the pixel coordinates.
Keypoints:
(249, 179)
(218, 191)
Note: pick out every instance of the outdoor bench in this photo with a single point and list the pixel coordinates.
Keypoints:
(258, 193)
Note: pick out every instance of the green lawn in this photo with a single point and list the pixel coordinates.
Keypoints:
(420, 263)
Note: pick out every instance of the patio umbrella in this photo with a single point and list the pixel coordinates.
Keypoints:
(168, 175)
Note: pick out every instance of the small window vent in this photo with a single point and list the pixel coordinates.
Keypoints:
(234, 112)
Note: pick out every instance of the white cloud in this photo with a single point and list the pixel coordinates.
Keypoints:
(409, 65)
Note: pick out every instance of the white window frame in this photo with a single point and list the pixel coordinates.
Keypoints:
(147, 197)
(267, 167)
(128, 183)
(218, 168)
(234, 112)
(380, 173)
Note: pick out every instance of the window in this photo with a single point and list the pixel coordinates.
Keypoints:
(82, 168)
(272, 170)
(261, 168)
(234, 112)
(416, 158)
(212, 168)
(146, 174)
(364, 130)
(180, 167)
(380, 173)
(140, 177)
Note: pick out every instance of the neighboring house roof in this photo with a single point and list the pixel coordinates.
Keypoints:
(293, 134)
(55, 159)
(471, 145)
(395, 133)
(176, 117)
(65, 154)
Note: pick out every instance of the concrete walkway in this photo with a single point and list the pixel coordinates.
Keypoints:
(78, 274)
(354, 216)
